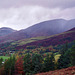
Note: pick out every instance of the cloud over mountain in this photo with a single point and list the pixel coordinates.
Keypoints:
(20, 14)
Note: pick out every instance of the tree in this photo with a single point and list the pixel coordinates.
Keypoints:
(49, 62)
(64, 49)
(64, 60)
(13, 59)
(72, 55)
(37, 65)
(1, 62)
(27, 63)
(2, 71)
(9, 66)
(19, 66)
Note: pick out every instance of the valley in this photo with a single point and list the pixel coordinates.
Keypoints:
(25, 51)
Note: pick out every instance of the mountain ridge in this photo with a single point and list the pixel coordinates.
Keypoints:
(45, 28)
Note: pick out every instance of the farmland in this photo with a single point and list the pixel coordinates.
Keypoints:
(4, 57)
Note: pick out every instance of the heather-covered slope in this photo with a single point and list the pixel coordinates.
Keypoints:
(66, 71)
(46, 28)
(58, 39)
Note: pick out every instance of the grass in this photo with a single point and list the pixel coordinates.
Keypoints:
(25, 41)
(4, 57)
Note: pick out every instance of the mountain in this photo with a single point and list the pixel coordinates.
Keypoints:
(5, 31)
(50, 27)
(46, 28)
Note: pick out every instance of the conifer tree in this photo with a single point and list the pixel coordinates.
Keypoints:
(37, 65)
(49, 62)
(27, 63)
(9, 66)
(1, 62)
(72, 55)
(64, 60)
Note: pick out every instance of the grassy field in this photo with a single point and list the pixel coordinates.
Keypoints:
(25, 41)
(4, 57)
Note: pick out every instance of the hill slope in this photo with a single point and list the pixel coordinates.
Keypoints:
(66, 71)
(34, 43)
(46, 28)
(5, 31)
(53, 40)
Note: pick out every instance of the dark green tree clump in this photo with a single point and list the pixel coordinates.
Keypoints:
(67, 57)
(1, 60)
(49, 63)
(64, 60)
(9, 66)
(36, 64)
(72, 54)
(27, 63)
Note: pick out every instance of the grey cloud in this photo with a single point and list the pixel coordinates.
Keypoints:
(23, 17)
(19, 14)
(43, 3)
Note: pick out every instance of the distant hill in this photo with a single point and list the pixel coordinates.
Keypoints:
(50, 27)
(46, 28)
(5, 31)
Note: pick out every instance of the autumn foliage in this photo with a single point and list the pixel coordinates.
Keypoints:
(19, 66)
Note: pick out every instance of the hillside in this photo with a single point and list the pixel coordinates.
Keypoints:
(35, 44)
(50, 27)
(58, 39)
(46, 28)
(5, 31)
(66, 71)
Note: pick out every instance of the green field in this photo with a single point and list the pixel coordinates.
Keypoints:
(4, 57)
(29, 40)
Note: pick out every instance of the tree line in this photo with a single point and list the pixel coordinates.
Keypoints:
(36, 63)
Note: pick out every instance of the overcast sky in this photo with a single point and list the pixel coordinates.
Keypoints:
(20, 14)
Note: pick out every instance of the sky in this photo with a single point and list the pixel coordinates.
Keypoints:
(20, 14)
